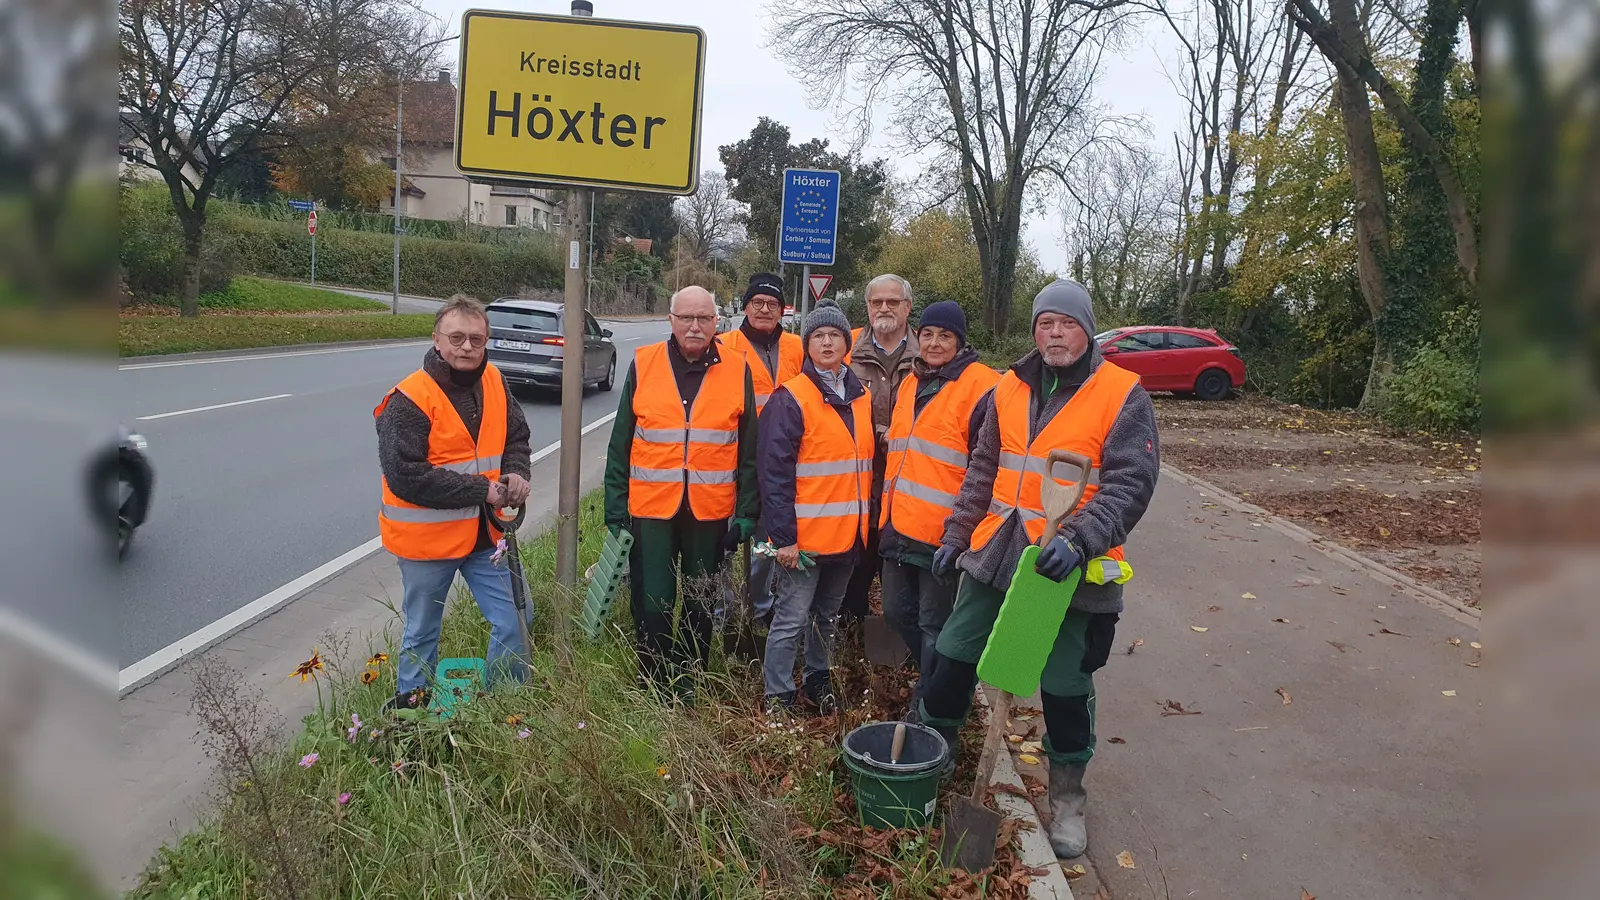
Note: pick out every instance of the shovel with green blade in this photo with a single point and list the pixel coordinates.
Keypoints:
(1013, 659)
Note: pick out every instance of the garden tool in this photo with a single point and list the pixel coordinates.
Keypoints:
(899, 743)
(1012, 661)
(509, 519)
(883, 643)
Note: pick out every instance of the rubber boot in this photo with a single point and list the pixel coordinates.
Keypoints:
(949, 729)
(1069, 834)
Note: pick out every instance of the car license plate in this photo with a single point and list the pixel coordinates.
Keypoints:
(524, 346)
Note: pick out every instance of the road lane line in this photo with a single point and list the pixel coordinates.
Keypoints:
(157, 663)
(285, 355)
(185, 412)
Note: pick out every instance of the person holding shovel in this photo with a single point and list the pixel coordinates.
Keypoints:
(680, 475)
(446, 434)
(774, 357)
(815, 463)
(1062, 395)
(937, 417)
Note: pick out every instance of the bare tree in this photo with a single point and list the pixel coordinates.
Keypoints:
(1118, 228)
(204, 82)
(708, 219)
(999, 92)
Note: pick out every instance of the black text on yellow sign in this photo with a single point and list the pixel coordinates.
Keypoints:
(577, 100)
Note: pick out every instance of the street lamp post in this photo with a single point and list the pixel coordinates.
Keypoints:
(399, 109)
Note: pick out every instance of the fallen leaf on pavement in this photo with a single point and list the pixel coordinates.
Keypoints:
(1028, 758)
(1125, 860)
(1306, 895)
(1032, 747)
(1213, 608)
(1014, 738)
(1003, 788)
(1116, 740)
(1247, 596)
(1200, 628)
(1338, 646)
(1174, 708)
(1448, 693)
(1077, 871)
(1475, 645)
(1384, 532)
(1138, 642)
(1455, 642)
(1337, 590)
(1472, 665)
(1281, 621)
(1285, 695)
(1039, 871)
(1395, 633)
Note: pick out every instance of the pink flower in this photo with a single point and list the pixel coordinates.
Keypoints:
(344, 799)
(354, 729)
(582, 725)
(524, 734)
(309, 760)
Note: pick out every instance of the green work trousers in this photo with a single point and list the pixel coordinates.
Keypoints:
(664, 549)
(1082, 646)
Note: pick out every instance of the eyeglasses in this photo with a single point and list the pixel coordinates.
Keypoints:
(695, 320)
(763, 304)
(890, 303)
(457, 338)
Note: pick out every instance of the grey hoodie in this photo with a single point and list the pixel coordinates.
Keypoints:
(1130, 463)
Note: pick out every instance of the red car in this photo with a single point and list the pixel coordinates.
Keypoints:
(1170, 358)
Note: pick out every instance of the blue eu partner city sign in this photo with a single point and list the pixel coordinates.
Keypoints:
(810, 217)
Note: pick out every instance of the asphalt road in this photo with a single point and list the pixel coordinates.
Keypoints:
(250, 496)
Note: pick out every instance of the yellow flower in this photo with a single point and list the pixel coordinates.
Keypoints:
(369, 676)
(661, 772)
(310, 667)
(513, 720)
(378, 659)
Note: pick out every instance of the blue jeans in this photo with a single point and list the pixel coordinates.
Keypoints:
(427, 585)
(807, 604)
(761, 593)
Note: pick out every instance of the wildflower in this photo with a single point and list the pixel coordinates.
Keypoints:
(374, 734)
(524, 734)
(663, 772)
(397, 765)
(369, 676)
(354, 729)
(513, 720)
(373, 760)
(310, 667)
(309, 760)
(344, 799)
(378, 659)
(582, 725)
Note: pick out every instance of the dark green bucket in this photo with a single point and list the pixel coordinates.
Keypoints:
(899, 795)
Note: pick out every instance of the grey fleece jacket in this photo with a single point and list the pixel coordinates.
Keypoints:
(403, 446)
(1130, 463)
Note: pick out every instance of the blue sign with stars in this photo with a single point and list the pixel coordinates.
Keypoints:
(810, 217)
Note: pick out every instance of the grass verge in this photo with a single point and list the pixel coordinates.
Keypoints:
(582, 783)
(247, 294)
(153, 335)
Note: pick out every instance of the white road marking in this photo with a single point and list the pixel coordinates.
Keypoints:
(254, 356)
(155, 664)
(185, 412)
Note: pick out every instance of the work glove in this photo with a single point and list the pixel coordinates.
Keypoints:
(731, 541)
(944, 561)
(1057, 560)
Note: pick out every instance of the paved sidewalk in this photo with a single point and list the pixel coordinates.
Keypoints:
(165, 775)
(1358, 784)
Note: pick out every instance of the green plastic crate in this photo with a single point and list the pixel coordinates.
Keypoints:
(604, 579)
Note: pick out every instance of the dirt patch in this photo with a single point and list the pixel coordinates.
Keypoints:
(1411, 501)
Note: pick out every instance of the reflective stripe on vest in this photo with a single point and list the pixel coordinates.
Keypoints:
(417, 532)
(1080, 426)
(927, 456)
(833, 471)
(671, 456)
(791, 357)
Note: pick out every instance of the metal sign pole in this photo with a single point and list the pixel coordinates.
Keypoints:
(313, 257)
(572, 359)
(805, 291)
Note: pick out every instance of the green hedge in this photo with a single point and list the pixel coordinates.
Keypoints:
(240, 242)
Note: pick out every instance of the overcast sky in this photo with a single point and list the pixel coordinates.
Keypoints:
(744, 82)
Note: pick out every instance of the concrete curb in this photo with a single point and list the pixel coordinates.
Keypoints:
(1034, 844)
(1330, 547)
(272, 350)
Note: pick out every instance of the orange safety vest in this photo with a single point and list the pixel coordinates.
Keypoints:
(855, 341)
(833, 472)
(928, 453)
(1081, 426)
(671, 449)
(417, 532)
(791, 356)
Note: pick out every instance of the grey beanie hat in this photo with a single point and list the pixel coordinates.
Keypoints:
(827, 314)
(1068, 298)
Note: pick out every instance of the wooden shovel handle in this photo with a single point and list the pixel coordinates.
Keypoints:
(899, 743)
(1058, 501)
(992, 746)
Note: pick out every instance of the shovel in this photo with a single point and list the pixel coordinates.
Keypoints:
(971, 828)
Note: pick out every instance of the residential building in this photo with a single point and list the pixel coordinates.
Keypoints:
(431, 186)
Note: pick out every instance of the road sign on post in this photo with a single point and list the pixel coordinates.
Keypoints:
(810, 220)
(580, 101)
(303, 205)
(819, 285)
(311, 229)
(311, 223)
